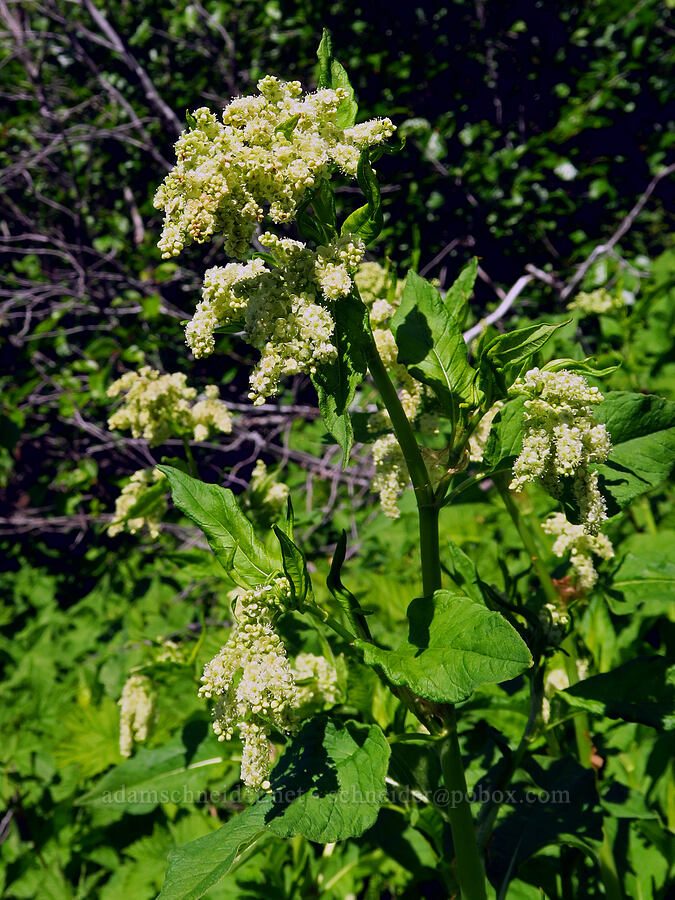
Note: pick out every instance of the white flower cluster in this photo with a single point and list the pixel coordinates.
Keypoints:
(561, 439)
(479, 438)
(157, 406)
(252, 681)
(281, 309)
(316, 680)
(581, 545)
(137, 709)
(139, 483)
(271, 494)
(268, 152)
(391, 474)
(597, 302)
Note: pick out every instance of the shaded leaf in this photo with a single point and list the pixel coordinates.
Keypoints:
(329, 783)
(430, 344)
(642, 690)
(642, 429)
(366, 221)
(336, 382)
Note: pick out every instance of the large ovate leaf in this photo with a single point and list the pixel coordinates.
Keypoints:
(229, 533)
(336, 382)
(454, 644)
(642, 429)
(329, 784)
(197, 866)
(642, 690)
(430, 344)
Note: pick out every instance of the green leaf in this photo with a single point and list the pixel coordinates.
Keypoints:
(344, 597)
(366, 221)
(324, 54)
(642, 429)
(508, 355)
(147, 501)
(348, 108)
(506, 436)
(430, 344)
(229, 533)
(454, 645)
(197, 866)
(329, 783)
(173, 772)
(336, 382)
(463, 572)
(645, 578)
(586, 367)
(295, 568)
(459, 293)
(288, 127)
(642, 690)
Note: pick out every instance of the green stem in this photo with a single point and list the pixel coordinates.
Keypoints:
(192, 466)
(607, 866)
(528, 538)
(402, 428)
(469, 865)
(582, 728)
(467, 858)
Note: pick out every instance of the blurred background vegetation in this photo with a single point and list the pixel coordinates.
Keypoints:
(533, 130)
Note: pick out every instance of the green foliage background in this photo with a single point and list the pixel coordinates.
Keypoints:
(532, 131)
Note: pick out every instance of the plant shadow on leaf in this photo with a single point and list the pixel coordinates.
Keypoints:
(414, 332)
(193, 735)
(304, 771)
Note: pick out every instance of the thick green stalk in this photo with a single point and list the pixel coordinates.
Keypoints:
(469, 864)
(470, 871)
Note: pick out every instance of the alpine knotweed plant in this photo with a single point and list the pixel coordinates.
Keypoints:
(500, 423)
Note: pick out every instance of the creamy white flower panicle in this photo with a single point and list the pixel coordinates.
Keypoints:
(316, 680)
(284, 311)
(597, 302)
(561, 440)
(156, 407)
(137, 709)
(139, 483)
(267, 491)
(210, 414)
(391, 474)
(263, 157)
(581, 544)
(252, 681)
